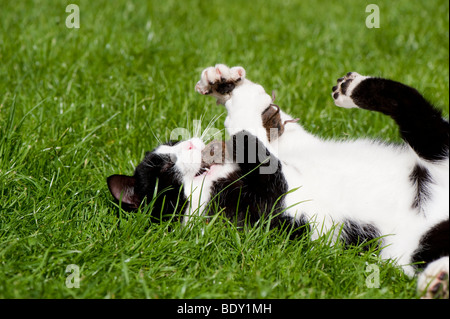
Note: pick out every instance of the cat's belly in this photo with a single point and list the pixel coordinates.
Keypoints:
(329, 197)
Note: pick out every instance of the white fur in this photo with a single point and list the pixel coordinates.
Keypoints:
(197, 189)
(431, 275)
(344, 100)
(362, 180)
(187, 158)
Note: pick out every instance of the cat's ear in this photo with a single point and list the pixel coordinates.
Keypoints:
(122, 188)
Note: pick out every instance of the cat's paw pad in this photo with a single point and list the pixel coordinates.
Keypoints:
(219, 80)
(433, 282)
(343, 90)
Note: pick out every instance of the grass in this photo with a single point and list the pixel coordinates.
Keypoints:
(77, 105)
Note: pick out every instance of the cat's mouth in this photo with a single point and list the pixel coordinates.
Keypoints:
(213, 154)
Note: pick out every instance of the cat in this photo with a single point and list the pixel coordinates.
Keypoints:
(272, 168)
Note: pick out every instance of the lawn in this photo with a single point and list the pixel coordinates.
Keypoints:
(77, 105)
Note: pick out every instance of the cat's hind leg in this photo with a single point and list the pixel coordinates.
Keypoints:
(433, 281)
(421, 125)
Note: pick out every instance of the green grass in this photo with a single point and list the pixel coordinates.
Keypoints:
(77, 105)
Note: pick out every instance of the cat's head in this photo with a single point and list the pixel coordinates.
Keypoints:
(164, 171)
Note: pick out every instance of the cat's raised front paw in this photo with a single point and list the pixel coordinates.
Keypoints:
(342, 92)
(220, 80)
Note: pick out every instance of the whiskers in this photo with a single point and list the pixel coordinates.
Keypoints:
(210, 132)
(193, 129)
(156, 137)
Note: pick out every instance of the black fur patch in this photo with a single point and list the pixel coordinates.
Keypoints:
(298, 228)
(247, 195)
(420, 178)
(433, 245)
(355, 233)
(224, 87)
(154, 175)
(157, 172)
(421, 125)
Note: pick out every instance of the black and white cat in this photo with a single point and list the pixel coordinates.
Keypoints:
(272, 166)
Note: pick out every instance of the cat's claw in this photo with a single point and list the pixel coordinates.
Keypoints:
(219, 81)
(342, 92)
